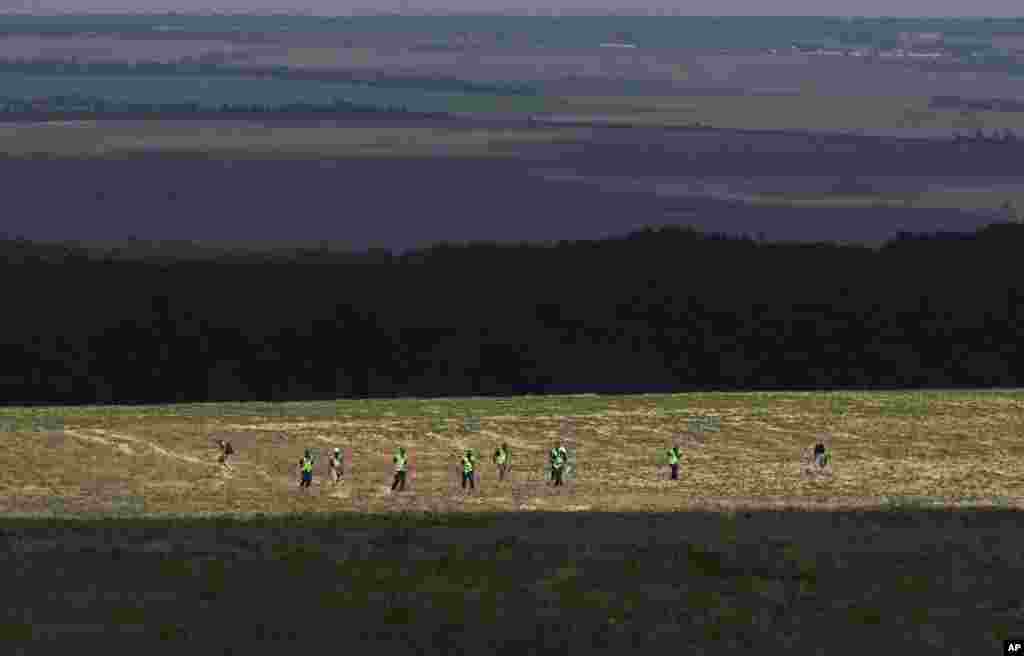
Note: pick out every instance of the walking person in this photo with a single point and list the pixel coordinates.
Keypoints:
(819, 458)
(673, 461)
(226, 451)
(558, 458)
(501, 459)
(401, 465)
(335, 464)
(821, 455)
(468, 465)
(306, 470)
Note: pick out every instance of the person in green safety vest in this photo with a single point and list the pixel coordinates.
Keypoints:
(306, 469)
(558, 457)
(673, 461)
(401, 463)
(501, 458)
(468, 465)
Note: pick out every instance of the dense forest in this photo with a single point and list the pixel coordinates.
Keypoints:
(658, 310)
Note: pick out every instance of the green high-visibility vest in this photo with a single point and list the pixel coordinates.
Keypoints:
(673, 457)
(307, 465)
(501, 456)
(399, 463)
(467, 464)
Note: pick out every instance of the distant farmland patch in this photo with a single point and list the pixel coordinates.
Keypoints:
(215, 91)
(102, 137)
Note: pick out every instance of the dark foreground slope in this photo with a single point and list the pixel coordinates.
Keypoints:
(760, 582)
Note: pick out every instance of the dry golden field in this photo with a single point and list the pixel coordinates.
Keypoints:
(954, 448)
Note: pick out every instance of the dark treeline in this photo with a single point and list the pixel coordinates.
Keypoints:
(659, 310)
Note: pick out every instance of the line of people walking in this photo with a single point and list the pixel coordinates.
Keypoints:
(502, 459)
(559, 464)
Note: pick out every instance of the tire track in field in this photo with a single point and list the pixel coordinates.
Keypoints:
(512, 440)
(95, 439)
(287, 480)
(107, 438)
(153, 446)
(325, 440)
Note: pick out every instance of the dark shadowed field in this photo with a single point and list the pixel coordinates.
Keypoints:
(908, 581)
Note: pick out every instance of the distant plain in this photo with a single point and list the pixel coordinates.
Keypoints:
(765, 140)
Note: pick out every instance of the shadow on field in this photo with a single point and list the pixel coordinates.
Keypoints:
(520, 582)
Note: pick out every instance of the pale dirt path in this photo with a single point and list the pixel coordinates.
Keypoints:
(114, 439)
(95, 439)
(153, 446)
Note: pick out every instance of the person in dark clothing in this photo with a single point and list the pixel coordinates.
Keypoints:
(226, 451)
(820, 455)
(501, 459)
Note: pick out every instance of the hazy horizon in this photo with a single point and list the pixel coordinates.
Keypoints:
(723, 8)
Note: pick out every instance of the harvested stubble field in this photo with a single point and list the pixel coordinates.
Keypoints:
(746, 550)
(953, 446)
(239, 138)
